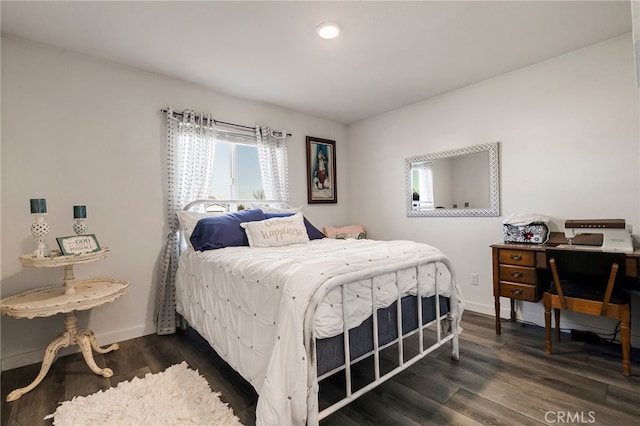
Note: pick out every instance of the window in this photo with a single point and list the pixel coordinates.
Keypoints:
(422, 179)
(236, 172)
(233, 165)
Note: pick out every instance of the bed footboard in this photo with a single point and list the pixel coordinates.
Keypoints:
(441, 317)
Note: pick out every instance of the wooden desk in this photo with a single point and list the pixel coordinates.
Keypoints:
(520, 271)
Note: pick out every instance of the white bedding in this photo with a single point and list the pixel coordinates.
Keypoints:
(250, 303)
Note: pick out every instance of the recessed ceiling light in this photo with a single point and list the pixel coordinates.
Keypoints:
(328, 30)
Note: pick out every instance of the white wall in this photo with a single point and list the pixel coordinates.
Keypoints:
(471, 181)
(568, 129)
(77, 130)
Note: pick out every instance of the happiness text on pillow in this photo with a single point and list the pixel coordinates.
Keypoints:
(281, 231)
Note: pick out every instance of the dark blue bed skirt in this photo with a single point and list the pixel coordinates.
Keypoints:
(331, 350)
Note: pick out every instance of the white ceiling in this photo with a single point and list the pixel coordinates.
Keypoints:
(390, 54)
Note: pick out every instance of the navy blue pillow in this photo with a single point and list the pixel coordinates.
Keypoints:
(312, 231)
(214, 232)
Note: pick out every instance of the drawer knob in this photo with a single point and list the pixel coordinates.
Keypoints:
(517, 291)
(516, 257)
(517, 274)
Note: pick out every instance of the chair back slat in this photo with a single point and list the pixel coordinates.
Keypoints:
(556, 279)
(610, 284)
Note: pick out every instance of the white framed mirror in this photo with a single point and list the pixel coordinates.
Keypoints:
(461, 182)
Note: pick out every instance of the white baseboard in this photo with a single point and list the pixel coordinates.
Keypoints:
(505, 311)
(538, 319)
(32, 357)
(479, 308)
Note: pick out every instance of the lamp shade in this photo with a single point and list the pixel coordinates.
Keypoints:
(38, 205)
(79, 212)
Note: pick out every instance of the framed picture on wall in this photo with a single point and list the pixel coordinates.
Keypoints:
(321, 171)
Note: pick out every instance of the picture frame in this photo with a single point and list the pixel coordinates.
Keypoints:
(321, 171)
(78, 244)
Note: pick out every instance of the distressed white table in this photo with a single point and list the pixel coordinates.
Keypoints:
(74, 295)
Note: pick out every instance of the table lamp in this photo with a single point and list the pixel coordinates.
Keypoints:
(39, 228)
(80, 218)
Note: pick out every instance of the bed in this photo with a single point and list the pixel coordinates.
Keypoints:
(275, 313)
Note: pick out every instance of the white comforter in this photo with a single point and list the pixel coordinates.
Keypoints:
(250, 303)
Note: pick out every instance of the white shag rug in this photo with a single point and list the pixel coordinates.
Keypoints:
(177, 396)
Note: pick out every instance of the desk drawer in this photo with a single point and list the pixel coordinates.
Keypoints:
(518, 257)
(518, 274)
(519, 291)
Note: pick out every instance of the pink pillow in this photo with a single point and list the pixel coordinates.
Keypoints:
(344, 232)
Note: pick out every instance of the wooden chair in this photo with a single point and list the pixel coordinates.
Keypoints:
(589, 282)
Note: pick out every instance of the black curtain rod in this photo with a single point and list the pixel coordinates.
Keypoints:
(223, 122)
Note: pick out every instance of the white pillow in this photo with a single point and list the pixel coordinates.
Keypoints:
(277, 231)
(188, 221)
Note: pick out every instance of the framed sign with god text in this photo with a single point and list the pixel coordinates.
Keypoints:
(78, 244)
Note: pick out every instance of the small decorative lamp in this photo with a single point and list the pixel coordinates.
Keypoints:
(80, 218)
(39, 228)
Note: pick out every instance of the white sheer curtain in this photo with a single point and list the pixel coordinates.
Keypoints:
(190, 154)
(272, 151)
(426, 184)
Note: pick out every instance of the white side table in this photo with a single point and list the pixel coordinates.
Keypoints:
(74, 295)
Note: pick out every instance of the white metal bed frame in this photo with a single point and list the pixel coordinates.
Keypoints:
(314, 415)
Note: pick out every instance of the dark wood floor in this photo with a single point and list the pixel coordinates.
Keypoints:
(504, 379)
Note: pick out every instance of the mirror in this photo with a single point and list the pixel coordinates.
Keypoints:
(461, 182)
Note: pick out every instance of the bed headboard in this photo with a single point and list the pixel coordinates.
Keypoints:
(226, 205)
